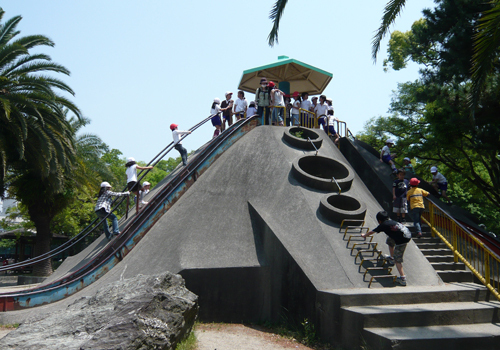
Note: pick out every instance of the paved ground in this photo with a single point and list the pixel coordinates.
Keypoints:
(218, 336)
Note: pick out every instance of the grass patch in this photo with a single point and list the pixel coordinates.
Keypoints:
(190, 342)
(299, 134)
(9, 326)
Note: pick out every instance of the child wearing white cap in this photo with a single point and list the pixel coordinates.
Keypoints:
(103, 207)
(386, 156)
(145, 190)
(407, 165)
(439, 182)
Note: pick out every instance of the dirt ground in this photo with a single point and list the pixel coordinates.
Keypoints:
(216, 336)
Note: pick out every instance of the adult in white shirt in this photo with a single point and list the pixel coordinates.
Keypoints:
(240, 106)
(177, 142)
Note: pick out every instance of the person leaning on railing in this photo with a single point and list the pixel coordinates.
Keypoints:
(103, 208)
(331, 119)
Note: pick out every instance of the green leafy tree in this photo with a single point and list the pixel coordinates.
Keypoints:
(485, 36)
(37, 146)
(431, 116)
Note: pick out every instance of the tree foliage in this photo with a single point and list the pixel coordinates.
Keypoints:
(431, 116)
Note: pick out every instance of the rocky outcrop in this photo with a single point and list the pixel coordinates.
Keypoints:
(145, 312)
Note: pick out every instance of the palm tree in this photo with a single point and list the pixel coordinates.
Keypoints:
(486, 41)
(37, 146)
(27, 99)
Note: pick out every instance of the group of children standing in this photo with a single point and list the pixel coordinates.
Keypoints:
(276, 108)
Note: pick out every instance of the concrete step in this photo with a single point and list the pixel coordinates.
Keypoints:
(439, 258)
(431, 245)
(453, 292)
(484, 336)
(420, 315)
(429, 239)
(435, 251)
(456, 276)
(445, 266)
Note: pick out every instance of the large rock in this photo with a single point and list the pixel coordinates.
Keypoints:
(145, 312)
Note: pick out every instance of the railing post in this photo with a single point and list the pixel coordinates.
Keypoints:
(431, 218)
(486, 264)
(454, 241)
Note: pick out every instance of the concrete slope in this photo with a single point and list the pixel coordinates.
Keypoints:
(245, 210)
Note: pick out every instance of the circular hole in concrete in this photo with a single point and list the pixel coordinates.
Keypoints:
(323, 167)
(298, 137)
(303, 133)
(344, 202)
(339, 207)
(319, 172)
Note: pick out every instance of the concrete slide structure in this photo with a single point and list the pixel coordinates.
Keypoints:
(250, 238)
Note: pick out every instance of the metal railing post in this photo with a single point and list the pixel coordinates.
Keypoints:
(340, 190)
(431, 218)
(312, 143)
(454, 241)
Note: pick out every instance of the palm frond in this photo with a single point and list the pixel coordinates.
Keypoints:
(486, 44)
(8, 29)
(11, 66)
(391, 11)
(275, 16)
(32, 41)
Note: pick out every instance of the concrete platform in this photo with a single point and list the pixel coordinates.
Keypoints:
(484, 336)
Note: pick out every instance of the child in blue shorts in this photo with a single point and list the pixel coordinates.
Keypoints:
(440, 183)
(386, 156)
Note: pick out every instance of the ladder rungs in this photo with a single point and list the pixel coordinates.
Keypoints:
(367, 244)
(368, 269)
(374, 251)
(363, 239)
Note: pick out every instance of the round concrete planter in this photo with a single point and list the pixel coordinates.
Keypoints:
(317, 172)
(298, 142)
(339, 207)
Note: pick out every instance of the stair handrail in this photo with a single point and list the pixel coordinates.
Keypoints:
(485, 276)
(116, 249)
(116, 202)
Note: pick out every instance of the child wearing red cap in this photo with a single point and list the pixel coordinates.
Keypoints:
(415, 197)
(177, 142)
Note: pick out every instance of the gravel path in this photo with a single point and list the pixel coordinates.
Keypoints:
(215, 336)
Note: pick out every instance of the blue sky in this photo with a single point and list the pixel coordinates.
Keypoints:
(138, 66)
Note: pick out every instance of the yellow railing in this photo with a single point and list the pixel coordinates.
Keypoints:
(479, 258)
(308, 119)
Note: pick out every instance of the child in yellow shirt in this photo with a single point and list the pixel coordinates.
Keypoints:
(415, 197)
